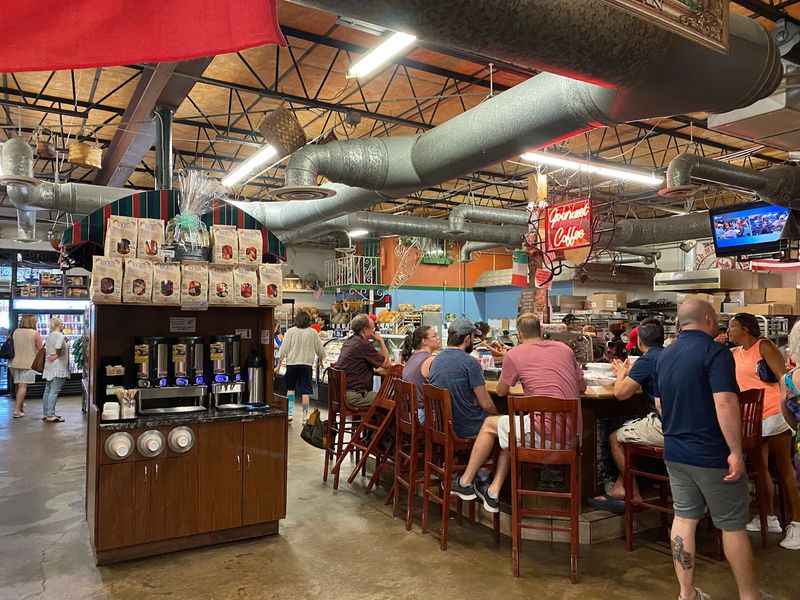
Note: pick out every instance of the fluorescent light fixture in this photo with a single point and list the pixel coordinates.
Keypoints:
(554, 160)
(357, 233)
(258, 159)
(381, 54)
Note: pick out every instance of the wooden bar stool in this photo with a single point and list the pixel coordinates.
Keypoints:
(544, 431)
(446, 455)
(342, 418)
(408, 439)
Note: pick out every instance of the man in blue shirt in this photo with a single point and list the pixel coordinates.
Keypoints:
(635, 378)
(459, 373)
(703, 447)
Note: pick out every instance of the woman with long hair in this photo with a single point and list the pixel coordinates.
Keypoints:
(301, 345)
(417, 353)
(760, 365)
(27, 343)
(56, 369)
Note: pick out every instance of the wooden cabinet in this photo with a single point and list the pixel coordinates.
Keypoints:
(178, 486)
(115, 506)
(264, 472)
(220, 475)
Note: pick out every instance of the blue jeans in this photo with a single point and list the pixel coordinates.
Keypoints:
(51, 390)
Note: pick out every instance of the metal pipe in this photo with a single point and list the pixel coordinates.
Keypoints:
(778, 185)
(470, 247)
(459, 215)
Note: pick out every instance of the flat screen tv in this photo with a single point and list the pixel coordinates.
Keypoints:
(749, 229)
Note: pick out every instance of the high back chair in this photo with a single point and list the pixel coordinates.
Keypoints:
(342, 418)
(408, 439)
(544, 431)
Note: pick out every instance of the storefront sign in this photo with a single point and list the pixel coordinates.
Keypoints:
(568, 226)
(701, 21)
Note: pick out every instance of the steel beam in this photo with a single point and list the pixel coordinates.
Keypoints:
(768, 11)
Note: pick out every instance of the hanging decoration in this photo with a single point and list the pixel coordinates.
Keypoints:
(568, 226)
(519, 269)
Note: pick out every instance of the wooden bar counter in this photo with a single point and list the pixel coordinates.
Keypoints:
(230, 485)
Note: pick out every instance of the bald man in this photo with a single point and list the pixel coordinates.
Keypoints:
(703, 447)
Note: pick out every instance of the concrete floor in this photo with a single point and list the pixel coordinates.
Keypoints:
(332, 544)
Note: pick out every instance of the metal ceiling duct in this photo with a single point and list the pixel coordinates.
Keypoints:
(671, 76)
(459, 215)
(470, 247)
(777, 185)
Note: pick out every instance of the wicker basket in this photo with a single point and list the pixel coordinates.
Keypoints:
(283, 131)
(85, 155)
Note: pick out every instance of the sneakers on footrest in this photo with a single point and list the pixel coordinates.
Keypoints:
(490, 504)
(465, 492)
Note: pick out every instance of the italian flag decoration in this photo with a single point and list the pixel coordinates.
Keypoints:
(519, 270)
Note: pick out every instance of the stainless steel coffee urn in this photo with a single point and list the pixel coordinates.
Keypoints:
(255, 379)
(187, 361)
(225, 360)
(151, 355)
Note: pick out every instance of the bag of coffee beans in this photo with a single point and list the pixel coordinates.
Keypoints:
(150, 239)
(166, 283)
(225, 245)
(220, 285)
(106, 286)
(250, 246)
(121, 236)
(245, 285)
(194, 284)
(270, 285)
(137, 284)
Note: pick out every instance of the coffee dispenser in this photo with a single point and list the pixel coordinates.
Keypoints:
(187, 361)
(151, 356)
(255, 379)
(227, 389)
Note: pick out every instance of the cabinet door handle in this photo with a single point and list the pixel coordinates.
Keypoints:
(248, 460)
(238, 463)
(145, 473)
(156, 471)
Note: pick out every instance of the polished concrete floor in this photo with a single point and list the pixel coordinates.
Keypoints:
(332, 544)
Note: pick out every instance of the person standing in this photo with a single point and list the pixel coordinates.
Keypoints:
(360, 361)
(417, 354)
(703, 447)
(27, 343)
(56, 369)
(299, 348)
(760, 365)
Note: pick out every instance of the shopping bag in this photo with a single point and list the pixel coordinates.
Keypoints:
(313, 431)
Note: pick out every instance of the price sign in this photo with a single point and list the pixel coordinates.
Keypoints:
(182, 324)
(568, 226)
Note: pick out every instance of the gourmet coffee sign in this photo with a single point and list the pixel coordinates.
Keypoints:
(568, 226)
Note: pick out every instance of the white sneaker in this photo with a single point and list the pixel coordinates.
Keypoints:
(699, 595)
(792, 539)
(773, 525)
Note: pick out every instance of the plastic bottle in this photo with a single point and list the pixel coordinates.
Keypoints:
(290, 403)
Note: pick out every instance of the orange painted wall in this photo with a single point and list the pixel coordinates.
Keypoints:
(456, 275)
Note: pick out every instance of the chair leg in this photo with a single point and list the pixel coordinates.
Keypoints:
(762, 481)
(448, 466)
(426, 484)
(329, 448)
(339, 448)
(496, 525)
(412, 484)
(628, 484)
(574, 545)
(516, 534)
(460, 512)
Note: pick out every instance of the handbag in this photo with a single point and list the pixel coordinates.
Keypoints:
(38, 361)
(7, 349)
(313, 431)
(765, 374)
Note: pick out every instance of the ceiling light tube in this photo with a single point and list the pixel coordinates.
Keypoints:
(357, 233)
(257, 160)
(554, 160)
(381, 54)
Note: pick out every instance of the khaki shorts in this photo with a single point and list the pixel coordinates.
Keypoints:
(360, 399)
(646, 430)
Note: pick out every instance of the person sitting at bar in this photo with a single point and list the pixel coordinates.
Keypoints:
(631, 380)
(545, 368)
(497, 349)
(359, 360)
(459, 373)
(417, 354)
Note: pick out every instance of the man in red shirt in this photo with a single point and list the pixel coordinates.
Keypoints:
(544, 368)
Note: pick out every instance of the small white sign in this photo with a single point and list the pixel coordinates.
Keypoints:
(182, 324)
(244, 334)
(265, 337)
(166, 253)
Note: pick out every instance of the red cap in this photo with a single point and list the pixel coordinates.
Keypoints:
(633, 339)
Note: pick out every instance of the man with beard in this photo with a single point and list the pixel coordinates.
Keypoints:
(459, 373)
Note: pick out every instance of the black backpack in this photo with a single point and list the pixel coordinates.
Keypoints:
(7, 349)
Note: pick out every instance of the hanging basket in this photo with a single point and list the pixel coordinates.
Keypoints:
(85, 155)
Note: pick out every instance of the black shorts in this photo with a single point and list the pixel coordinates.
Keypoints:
(298, 378)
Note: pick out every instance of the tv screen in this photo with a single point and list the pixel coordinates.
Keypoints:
(750, 229)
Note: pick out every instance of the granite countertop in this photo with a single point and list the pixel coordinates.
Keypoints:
(174, 419)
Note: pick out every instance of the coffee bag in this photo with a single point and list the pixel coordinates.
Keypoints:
(137, 284)
(270, 285)
(245, 285)
(220, 284)
(250, 246)
(166, 283)
(224, 244)
(121, 236)
(194, 284)
(106, 286)
(150, 239)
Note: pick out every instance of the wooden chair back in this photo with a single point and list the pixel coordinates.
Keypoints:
(438, 414)
(543, 430)
(406, 407)
(337, 388)
(751, 405)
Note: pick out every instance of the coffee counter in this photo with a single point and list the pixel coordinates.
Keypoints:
(155, 421)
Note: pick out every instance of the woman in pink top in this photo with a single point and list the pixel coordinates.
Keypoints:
(755, 356)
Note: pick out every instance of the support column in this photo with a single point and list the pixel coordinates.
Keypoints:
(163, 117)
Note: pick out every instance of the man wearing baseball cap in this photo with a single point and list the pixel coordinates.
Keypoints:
(459, 373)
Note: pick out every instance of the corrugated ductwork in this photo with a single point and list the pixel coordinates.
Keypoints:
(469, 247)
(77, 198)
(778, 185)
(674, 76)
(459, 215)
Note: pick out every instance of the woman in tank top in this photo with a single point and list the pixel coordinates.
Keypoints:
(27, 342)
(417, 354)
(758, 359)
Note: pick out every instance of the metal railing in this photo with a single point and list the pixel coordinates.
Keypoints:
(352, 271)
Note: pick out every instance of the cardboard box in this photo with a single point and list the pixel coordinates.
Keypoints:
(567, 303)
(768, 280)
(715, 301)
(609, 301)
(731, 308)
(783, 296)
(769, 309)
(743, 297)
